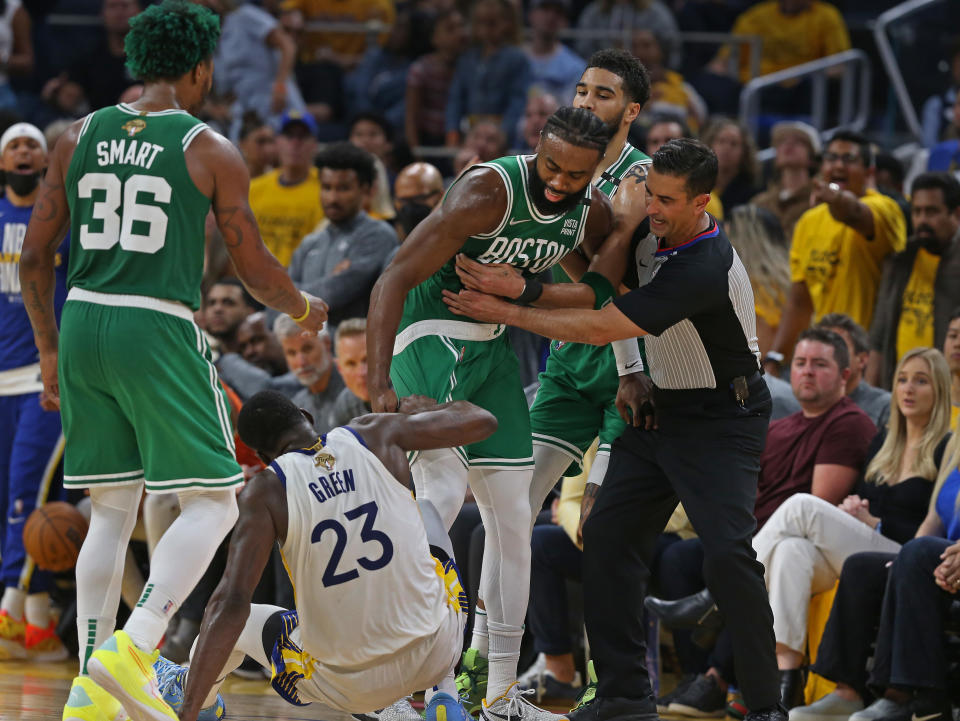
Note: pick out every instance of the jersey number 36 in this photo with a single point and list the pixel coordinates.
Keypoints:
(137, 227)
(368, 534)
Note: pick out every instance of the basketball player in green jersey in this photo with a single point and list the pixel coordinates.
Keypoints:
(523, 211)
(139, 395)
(578, 396)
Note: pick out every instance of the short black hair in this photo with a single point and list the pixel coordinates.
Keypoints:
(954, 315)
(347, 156)
(250, 122)
(861, 341)
(852, 136)
(248, 299)
(690, 159)
(819, 334)
(944, 182)
(265, 418)
(372, 117)
(579, 127)
(889, 162)
(636, 79)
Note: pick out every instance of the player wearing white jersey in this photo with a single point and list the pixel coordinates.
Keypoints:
(380, 611)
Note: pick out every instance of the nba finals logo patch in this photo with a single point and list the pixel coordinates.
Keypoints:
(132, 127)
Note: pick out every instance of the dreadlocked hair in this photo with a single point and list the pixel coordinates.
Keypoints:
(166, 41)
(579, 127)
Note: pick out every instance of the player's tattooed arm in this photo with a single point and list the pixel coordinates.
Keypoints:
(253, 540)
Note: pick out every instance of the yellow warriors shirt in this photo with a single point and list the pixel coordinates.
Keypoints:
(789, 40)
(916, 315)
(840, 267)
(285, 213)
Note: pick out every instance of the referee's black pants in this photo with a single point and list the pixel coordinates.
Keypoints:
(705, 455)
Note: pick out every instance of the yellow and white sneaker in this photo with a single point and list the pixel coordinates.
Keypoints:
(43, 644)
(89, 702)
(127, 674)
(12, 637)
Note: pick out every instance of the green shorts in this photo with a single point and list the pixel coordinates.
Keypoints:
(576, 401)
(483, 372)
(141, 401)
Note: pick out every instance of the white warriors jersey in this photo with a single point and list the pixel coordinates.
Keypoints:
(356, 551)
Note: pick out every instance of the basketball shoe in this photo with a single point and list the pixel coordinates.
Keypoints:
(512, 706)
(444, 707)
(172, 681)
(43, 644)
(126, 673)
(12, 637)
(89, 702)
(472, 681)
(400, 710)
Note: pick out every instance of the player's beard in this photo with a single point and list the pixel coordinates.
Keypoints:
(547, 207)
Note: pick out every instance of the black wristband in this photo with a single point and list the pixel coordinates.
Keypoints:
(532, 289)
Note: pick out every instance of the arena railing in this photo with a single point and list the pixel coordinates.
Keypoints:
(855, 81)
(889, 59)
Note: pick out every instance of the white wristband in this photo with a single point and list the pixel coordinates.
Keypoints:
(627, 352)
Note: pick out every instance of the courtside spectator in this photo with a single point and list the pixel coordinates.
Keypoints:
(429, 80)
(616, 16)
(670, 94)
(875, 402)
(343, 260)
(310, 359)
(486, 141)
(284, 201)
(737, 169)
(225, 307)
(540, 106)
(417, 190)
(920, 286)
(350, 354)
(258, 145)
(797, 146)
(101, 71)
(259, 362)
(492, 76)
(554, 68)
(840, 244)
(937, 113)
(379, 82)
(371, 132)
(662, 130)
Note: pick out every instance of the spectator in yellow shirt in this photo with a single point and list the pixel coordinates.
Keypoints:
(793, 31)
(839, 245)
(286, 201)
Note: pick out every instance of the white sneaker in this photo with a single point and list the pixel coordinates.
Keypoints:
(831, 707)
(512, 706)
(399, 711)
(880, 708)
(529, 677)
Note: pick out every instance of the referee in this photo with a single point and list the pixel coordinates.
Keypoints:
(697, 437)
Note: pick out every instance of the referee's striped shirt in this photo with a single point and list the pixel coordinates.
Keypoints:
(696, 303)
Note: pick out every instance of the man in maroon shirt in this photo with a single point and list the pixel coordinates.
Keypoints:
(820, 450)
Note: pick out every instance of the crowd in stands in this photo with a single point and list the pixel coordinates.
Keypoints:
(351, 139)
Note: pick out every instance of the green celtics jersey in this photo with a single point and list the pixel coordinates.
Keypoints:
(591, 366)
(136, 217)
(524, 238)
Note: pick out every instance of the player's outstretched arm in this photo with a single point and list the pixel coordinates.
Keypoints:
(48, 225)
(475, 204)
(219, 171)
(262, 521)
(422, 425)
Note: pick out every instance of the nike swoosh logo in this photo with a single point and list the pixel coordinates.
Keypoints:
(516, 221)
(631, 365)
(914, 717)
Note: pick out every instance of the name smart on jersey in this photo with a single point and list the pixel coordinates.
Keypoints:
(332, 484)
(120, 151)
(533, 254)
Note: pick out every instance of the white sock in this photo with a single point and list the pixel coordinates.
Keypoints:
(447, 686)
(504, 656)
(481, 637)
(179, 560)
(37, 609)
(151, 616)
(131, 583)
(13, 602)
(100, 564)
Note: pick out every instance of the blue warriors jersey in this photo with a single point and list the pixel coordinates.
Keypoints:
(16, 336)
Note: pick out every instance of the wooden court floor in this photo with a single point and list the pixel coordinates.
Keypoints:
(37, 692)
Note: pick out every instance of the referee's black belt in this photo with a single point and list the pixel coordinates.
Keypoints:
(742, 386)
